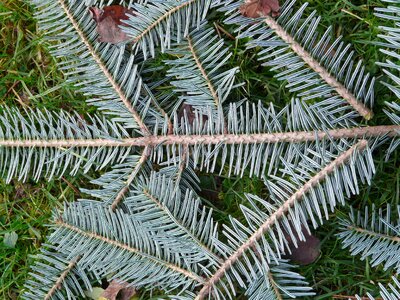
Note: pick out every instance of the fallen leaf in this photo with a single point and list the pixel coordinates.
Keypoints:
(119, 288)
(10, 239)
(108, 20)
(260, 8)
(306, 252)
(190, 112)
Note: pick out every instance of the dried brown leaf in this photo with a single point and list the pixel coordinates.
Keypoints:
(108, 20)
(260, 8)
(120, 289)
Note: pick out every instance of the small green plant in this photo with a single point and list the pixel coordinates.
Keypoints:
(167, 106)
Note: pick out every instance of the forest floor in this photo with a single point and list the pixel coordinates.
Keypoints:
(29, 78)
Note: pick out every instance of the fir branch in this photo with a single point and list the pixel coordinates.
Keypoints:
(283, 210)
(156, 104)
(57, 275)
(106, 72)
(198, 73)
(59, 281)
(301, 55)
(158, 23)
(114, 243)
(173, 212)
(181, 226)
(390, 45)
(202, 70)
(375, 235)
(280, 282)
(111, 183)
(124, 190)
(182, 172)
(318, 68)
(160, 19)
(150, 229)
(31, 126)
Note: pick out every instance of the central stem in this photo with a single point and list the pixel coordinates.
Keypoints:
(209, 139)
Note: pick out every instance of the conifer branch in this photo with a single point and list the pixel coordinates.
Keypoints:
(161, 19)
(203, 71)
(371, 233)
(106, 72)
(164, 239)
(228, 139)
(132, 176)
(273, 218)
(194, 238)
(148, 91)
(182, 165)
(278, 283)
(199, 70)
(318, 68)
(117, 244)
(62, 277)
(274, 286)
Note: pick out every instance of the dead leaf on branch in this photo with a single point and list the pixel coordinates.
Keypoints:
(189, 112)
(260, 8)
(119, 289)
(108, 20)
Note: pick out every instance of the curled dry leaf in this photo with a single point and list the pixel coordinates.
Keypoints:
(260, 8)
(108, 20)
(119, 289)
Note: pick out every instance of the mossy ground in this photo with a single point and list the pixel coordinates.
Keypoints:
(29, 78)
